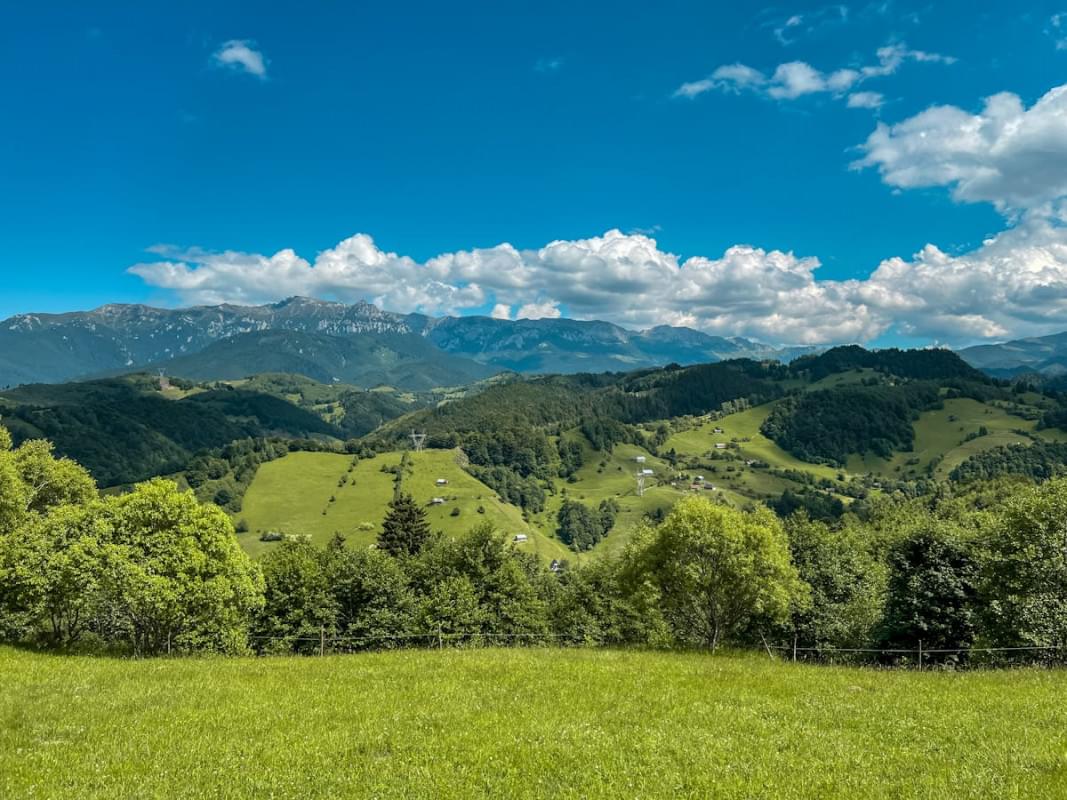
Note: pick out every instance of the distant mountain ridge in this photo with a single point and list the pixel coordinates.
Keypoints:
(51, 348)
(1042, 355)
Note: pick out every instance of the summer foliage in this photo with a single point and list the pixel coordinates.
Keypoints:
(154, 571)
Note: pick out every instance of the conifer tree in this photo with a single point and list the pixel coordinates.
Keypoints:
(405, 529)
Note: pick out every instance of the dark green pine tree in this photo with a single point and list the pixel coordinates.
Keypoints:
(405, 529)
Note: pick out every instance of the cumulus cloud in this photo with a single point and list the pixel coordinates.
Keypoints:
(798, 78)
(241, 55)
(1012, 285)
(546, 310)
(1006, 154)
(1015, 284)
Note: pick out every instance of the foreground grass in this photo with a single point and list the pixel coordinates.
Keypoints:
(522, 723)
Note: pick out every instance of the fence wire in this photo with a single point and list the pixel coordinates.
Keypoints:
(887, 657)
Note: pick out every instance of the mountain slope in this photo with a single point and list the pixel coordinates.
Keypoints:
(115, 339)
(567, 345)
(1046, 355)
(404, 360)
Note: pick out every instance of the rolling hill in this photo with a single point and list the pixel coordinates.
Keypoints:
(320, 494)
(824, 432)
(125, 430)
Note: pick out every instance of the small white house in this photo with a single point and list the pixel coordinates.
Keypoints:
(639, 459)
(442, 481)
(520, 537)
(438, 501)
(700, 478)
(720, 445)
(718, 430)
(646, 472)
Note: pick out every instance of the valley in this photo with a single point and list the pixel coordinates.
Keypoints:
(289, 456)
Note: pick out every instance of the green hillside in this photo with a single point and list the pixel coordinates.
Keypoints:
(949, 436)
(407, 361)
(523, 723)
(125, 429)
(290, 495)
(613, 476)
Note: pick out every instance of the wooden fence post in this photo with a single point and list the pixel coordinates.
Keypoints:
(322, 640)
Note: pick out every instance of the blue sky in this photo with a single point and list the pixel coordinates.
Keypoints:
(229, 130)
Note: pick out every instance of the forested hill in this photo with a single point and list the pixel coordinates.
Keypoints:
(125, 430)
(928, 364)
(521, 435)
(562, 401)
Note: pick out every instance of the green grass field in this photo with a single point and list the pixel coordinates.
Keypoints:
(290, 495)
(523, 723)
(612, 476)
(941, 434)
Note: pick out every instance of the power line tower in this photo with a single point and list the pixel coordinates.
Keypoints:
(640, 484)
(418, 441)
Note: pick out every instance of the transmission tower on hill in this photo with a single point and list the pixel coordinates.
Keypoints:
(418, 440)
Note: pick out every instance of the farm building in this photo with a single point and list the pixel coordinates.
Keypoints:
(437, 501)
(520, 537)
(719, 430)
(639, 459)
(441, 482)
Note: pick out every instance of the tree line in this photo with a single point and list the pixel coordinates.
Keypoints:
(154, 571)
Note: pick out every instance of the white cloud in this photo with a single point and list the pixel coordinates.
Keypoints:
(866, 100)
(240, 54)
(1057, 30)
(790, 29)
(798, 78)
(728, 78)
(1006, 154)
(1012, 285)
(795, 79)
(546, 310)
(694, 88)
(1015, 284)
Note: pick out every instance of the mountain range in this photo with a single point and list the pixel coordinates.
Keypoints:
(1044, 356)
(335, 342)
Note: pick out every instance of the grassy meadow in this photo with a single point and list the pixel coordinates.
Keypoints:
(292, 495)
(523, 723)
